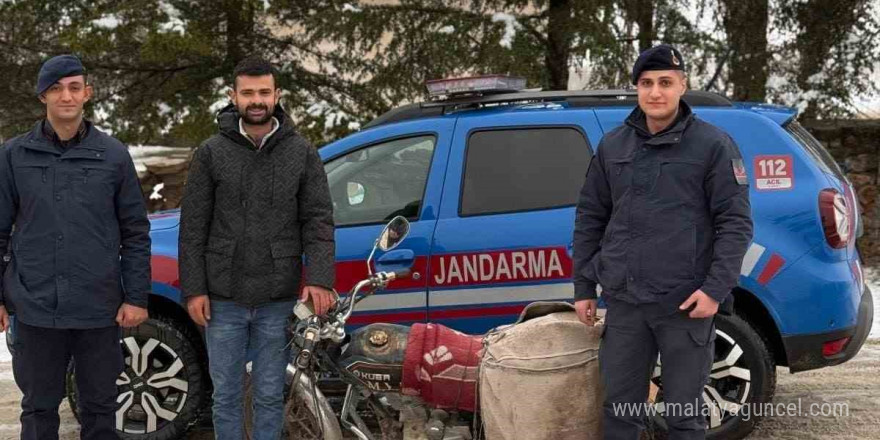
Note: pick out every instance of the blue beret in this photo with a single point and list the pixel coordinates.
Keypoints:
(662, 57)
(56, 68)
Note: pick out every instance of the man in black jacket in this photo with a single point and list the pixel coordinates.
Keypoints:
(256, 200)
(663, 223)
(79, 262)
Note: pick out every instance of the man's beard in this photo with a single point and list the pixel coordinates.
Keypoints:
(251, 121)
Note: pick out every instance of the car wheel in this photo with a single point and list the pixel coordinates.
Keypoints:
(743, 373)
(163, 386)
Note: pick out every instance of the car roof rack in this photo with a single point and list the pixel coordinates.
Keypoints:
(574, 98)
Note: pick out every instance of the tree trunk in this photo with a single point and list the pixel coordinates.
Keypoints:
(641, 12)
(745, 22)
(239, 16)
(644, 15)
(559, 39)
(822, 25)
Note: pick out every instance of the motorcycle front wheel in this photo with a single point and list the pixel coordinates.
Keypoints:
(305, 418)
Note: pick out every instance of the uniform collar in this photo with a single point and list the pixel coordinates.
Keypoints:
(38, 140)
(50, 134)
(670, 134)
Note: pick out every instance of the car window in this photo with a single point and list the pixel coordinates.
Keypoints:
(820, 155)
(515, 170)
(376, 183)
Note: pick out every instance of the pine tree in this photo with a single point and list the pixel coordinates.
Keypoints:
(829, 56)
(161, 67)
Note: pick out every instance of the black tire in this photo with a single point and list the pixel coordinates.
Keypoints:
(174, 399)
(740, 353)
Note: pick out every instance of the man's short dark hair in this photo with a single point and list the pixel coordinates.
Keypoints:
(254, 66)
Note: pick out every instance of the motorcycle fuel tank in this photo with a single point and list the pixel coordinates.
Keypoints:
(375, 356)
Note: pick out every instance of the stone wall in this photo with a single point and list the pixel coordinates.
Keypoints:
(853, 143)
(856, 145)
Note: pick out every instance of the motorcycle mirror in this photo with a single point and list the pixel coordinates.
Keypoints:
(394, 233)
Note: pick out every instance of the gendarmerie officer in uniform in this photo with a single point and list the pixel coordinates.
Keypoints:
(78, 266)
(663, 222)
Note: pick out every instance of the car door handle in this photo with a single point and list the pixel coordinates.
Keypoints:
(397, 256)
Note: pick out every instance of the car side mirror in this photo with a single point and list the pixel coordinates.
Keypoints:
(394, 233)
(391, 236)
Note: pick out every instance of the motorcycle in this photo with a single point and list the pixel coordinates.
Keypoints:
(400, 382)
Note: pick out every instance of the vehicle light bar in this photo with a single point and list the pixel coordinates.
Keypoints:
(487, 83)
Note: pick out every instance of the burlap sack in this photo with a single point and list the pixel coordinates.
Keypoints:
(539, 378)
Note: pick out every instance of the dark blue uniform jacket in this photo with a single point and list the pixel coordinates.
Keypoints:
(80, 244)
(662, 215)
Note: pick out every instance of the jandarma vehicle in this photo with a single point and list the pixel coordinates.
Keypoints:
(488, 179)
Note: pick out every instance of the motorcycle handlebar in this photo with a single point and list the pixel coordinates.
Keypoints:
(378, 280)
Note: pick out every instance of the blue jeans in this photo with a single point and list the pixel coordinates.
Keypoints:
(236, 334)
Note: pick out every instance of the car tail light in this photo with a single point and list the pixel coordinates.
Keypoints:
(852, 202)
(837, 218)
(831, 348)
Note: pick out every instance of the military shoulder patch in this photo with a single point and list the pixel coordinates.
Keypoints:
(739, 171)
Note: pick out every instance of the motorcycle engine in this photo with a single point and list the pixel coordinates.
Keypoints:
(375, 355)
